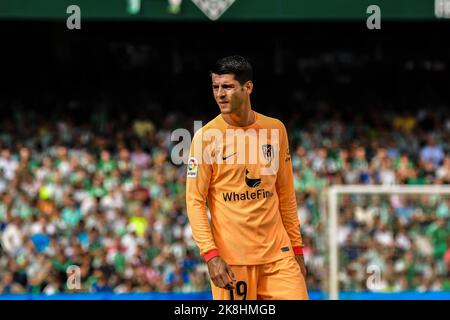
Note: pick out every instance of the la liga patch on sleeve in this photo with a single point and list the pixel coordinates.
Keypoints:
(192, 167)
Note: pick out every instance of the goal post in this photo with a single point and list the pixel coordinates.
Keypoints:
(333, 207)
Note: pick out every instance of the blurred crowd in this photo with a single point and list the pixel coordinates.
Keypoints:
(102, 194)
(103, 197)
(387, 242)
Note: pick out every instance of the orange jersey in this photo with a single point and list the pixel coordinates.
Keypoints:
(247, 185)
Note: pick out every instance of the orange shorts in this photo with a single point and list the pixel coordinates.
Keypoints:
(278, 280)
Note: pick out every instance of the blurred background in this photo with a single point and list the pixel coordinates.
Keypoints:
(86, 116)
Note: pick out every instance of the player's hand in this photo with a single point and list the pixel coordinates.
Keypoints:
(301, 262)
(221, 274)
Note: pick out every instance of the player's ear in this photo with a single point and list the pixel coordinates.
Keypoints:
(249, 87)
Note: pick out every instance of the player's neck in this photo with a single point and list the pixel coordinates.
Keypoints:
(246, 117)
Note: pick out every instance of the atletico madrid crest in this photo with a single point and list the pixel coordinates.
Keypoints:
(267, 152)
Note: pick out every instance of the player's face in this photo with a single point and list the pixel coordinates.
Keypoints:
(230, 95)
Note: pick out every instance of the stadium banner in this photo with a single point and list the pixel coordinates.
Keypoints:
(153, 296)
(227, 10)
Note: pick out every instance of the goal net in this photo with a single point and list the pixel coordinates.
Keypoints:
(387, 239)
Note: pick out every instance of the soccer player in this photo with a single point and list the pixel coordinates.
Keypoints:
(252, 244)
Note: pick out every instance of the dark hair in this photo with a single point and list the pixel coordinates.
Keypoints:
(237, 65)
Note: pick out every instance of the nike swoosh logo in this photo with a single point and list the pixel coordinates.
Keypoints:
(225, 158)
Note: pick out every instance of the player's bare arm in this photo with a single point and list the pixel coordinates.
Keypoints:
(301, 262)
(221, 274)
